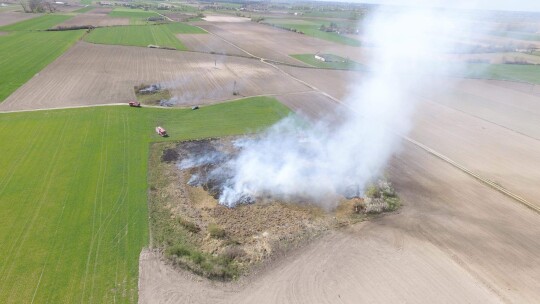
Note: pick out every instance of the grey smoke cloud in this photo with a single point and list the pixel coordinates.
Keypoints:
(322, 161)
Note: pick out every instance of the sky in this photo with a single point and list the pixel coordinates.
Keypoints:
(507, 5)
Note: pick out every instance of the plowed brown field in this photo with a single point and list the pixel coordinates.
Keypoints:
(99, 74)
(455, 240)
(14, 17)
(96, 17)
(271, 43)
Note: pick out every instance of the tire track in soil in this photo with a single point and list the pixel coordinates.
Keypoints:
(55, 235)
(99, 186)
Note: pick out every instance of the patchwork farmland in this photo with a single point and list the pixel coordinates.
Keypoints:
(81, 172)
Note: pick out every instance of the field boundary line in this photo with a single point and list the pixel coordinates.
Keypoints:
(475, 175)
(63, 108)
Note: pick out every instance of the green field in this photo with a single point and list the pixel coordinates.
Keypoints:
(347, 14)
(517, 35)
(311, 28)
(23, 54)
(84, 9)
(513, 72)
(142, 35)
(136, 16)
(39, 23)
(73, 194)
(339, 63)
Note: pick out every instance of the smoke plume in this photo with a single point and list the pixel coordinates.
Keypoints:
(320, 161)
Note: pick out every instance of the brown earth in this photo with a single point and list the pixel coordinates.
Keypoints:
(455, 239)
(248, 234)
(89, 74)
(207, 44)
(14, 17)
(226, 19)
(178, 16)
(261, 40)
(96, 17)
(496, 58)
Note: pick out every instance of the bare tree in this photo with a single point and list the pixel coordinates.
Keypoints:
(49, 6)
(36, 6)
(531, 48)
(24, 6)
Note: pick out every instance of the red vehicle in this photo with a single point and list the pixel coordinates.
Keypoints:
(161, 132)
(135, 104)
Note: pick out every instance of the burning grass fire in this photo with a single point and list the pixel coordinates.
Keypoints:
(195, 231)
(211, 166)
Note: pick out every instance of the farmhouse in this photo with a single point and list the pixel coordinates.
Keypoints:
(105, 3)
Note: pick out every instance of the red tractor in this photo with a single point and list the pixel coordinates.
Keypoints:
(135, 104)
(161, 132)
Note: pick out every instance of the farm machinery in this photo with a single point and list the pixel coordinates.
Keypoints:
(135, 104)
(161, 132)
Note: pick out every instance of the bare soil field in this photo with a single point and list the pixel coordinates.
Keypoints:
(454, 241)
(14, 17)
(333, 82)
(523, 87)
(101, 11)
(495, 58)
(508, 158)
(208, 43)
(90, 74)
(513, 105)
(261, 40)
(96, 17)
(178, 16)
(226, 19)
(482, 124)
(319, 107)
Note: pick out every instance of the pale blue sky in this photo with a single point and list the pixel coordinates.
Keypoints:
(513, 5)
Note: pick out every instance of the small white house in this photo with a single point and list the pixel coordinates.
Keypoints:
(321, 58)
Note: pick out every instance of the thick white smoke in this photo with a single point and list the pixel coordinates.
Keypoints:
(330, 159)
